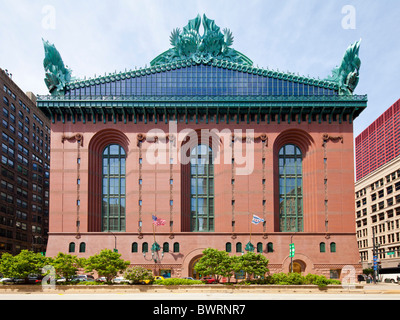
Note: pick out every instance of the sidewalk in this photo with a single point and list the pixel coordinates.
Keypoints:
(380, 287)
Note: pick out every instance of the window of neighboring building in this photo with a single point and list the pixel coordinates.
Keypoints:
(322, 247)
(290, 189)
(113, 208)
(202, 189)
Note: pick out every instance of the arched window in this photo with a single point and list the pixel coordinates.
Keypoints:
(290, 189)
(270, 247)
(145, 247)
(259, 247)
(239, 247)
(71, 247)
(333, 247)
(113, 195)
(176, 247)
(82, 247)
(134, 247)
(228, 247)
(202, 189)
(322, 247)
(165, 247)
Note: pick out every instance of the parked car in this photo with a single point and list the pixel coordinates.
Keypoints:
(7, 280)
(82, 277)
(120, 280)
(31, 279)
(189, 278)
(34, 278)
(101, 279)
(209, 280)
(155, 278)
(361, 277)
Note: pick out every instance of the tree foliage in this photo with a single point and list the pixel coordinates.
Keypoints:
(219, 264)
(254, 265)
(22, 265)
(106, 263)
(65, 265)
(138, 274)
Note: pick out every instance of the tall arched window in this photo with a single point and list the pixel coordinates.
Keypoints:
(290, 189)
(202, 189)
(113, 195)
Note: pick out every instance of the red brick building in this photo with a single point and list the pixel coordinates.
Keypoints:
(203, 140)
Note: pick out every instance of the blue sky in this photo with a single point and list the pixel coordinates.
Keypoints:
(307, 37)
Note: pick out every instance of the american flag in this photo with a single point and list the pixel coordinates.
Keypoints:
(157, 221)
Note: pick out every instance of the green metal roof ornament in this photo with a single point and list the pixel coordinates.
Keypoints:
(347, 74)
(188, 44)
(249, 247)
(57, 75)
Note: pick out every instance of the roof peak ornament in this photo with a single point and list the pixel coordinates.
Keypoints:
(347, 74)
(188, 44)
(57, 75)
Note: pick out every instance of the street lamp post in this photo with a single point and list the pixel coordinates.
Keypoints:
(374, 255)
(115, 241)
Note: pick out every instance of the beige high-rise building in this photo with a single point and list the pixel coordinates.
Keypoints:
(378, 215)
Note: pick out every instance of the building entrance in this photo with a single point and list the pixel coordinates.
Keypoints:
(192, 272)
(298, 266)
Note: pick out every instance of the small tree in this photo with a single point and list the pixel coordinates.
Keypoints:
(66, 265)
(22, 265)
(227, 267)
(138, 274)
(252, 264)
(213, 263)
(107, 264)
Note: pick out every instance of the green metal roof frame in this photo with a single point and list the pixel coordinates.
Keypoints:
(349, 106)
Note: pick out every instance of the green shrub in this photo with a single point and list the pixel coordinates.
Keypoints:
(90, 283)
(320, 281)
(177, 281)
(294, 278)
(139, 275)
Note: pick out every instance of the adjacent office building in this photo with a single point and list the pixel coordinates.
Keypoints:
(24, 179)
(378, 190)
